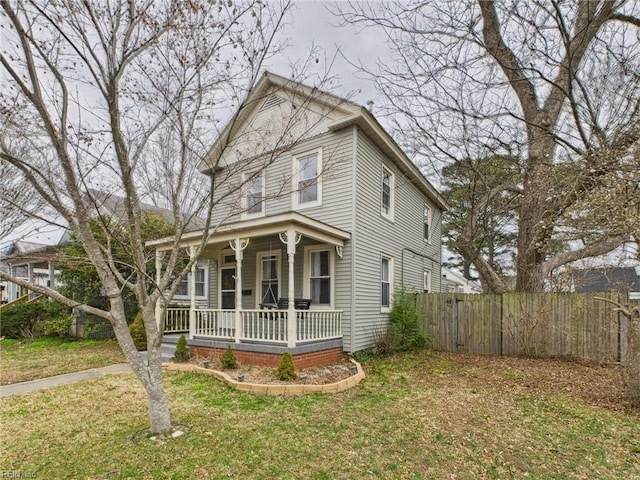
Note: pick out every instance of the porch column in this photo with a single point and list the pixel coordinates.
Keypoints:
(292, 323)
(238, 245)
(31, 276)
(12, 293)
(159, 320)
(192, 299)
(52, 275)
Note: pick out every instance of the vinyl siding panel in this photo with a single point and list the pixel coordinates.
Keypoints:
(377, 236)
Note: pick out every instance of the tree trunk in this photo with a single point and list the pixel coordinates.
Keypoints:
(149, 374)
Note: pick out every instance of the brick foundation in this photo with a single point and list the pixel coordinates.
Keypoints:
(301, 360)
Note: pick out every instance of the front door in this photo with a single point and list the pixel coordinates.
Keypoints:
(228, 288)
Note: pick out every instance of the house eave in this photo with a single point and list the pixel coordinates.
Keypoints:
(260, 227)
(372, 128)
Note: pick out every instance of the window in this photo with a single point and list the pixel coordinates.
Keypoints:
(269, 265)
(426, 281)
(387, 193)
(386, 277)
(200, 281)
(427, 223)
(320, 278)
(308, 186)
(253, 198)
(318, 274)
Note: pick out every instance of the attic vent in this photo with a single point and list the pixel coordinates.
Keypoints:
(272, 101)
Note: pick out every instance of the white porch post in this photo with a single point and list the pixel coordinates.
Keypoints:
(13, 288)
(192, 299)
(292, 327)
(52, 275)
(31, 276)
(159, 319)
(238, 245)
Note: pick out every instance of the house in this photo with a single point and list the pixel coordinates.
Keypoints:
(454, 282)
(30, 261)
(602, 279)
(316, 203)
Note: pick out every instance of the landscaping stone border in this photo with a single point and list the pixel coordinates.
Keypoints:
(287, 390)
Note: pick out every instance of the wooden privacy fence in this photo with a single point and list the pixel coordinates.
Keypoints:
(576, 325)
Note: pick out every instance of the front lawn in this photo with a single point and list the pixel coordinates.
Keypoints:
(426, 416)
(45, 357)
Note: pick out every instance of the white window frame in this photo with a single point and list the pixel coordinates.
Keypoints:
(259, 257)
(392, 181)
(247, 183)
(201, 265)
(388, 258)
(426, 281)
(306, 288)
(427, 219)
(222, 264)
(295, 195)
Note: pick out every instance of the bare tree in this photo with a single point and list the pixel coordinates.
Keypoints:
(124, 98)
(555, 84)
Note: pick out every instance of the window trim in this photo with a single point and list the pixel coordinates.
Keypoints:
(389, 258)
(295, 192)
(428, 217)
(259, 257)
(306, 274)
(392, 186)
(245, 191)
(202, 265)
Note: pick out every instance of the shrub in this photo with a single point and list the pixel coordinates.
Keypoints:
(27, 320)
(138, 332)
(228, 359)
(403, 323)
(286, 368)
(58, 326)
(182, 350)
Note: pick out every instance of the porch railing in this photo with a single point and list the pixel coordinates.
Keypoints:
(176, 320)
(264, 326)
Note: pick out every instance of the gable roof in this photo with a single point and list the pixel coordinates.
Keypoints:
(349, 114)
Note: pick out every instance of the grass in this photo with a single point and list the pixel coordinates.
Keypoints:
(416, 416)
(48, 356)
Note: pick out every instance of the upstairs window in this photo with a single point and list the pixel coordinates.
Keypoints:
(387, 193)
(308, 186)
(427, 223)
(253, 198)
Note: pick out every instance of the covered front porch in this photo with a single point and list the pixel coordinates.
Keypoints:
(239, 289)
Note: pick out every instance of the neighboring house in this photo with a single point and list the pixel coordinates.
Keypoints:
(338, 218)
(33, 262)
(601, 279)
(454, 282)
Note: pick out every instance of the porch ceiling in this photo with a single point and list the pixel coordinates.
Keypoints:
(263, 226)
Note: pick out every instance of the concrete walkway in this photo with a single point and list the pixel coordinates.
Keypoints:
(67, 378)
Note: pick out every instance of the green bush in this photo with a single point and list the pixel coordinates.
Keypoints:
(228, 359)
(138, 332)
(403, 333)
(27, 320)
(286, 368)
(182, 350)
(58, 326)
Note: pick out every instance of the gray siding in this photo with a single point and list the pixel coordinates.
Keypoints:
(336, 183)
(377, 236)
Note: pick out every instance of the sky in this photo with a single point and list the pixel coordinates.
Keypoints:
(309, 25)
(312, 24)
